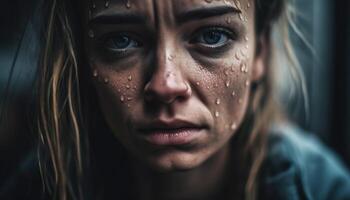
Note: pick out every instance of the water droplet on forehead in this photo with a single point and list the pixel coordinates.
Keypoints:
(217, 101)
(107, 3)
(129, 78)
(217, 114)
(91, 33)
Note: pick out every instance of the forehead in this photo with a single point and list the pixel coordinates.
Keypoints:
(150, 10)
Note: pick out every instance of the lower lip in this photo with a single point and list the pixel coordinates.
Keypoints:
(172, 137)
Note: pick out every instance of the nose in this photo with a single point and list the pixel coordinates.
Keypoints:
(167, 83)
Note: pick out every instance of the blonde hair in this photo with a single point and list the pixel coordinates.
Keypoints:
(64, 151)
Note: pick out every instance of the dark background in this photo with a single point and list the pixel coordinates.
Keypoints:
(325, 24)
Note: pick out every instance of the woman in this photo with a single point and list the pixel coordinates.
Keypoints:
(171, 100)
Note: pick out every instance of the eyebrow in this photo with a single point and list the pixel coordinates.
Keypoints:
(106, 17)
(202, 13)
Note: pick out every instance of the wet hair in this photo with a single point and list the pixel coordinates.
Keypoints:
(63, 113)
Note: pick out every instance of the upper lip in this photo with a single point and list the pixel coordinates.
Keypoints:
(169, 125)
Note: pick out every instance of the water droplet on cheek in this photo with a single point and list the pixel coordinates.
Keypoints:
(122, 98)
(227, 84)
(217, 114)
(233, 126)
(217, 101)
(247, 83)
(129, 78)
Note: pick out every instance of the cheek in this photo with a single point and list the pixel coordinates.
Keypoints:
(117, 93)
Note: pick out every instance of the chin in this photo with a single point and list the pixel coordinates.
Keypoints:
(175, 161)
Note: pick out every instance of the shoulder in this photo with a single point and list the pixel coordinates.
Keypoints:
(298, 164)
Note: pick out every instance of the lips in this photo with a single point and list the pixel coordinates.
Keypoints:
(173, 132)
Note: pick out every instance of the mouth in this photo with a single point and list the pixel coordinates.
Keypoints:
(174, 132)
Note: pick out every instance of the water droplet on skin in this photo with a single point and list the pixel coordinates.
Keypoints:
(127, 86)
(91, 33)
(243, 68)
(241, 17)
(197, 83)
(128, 4)
(208, 87)
(246, 38)
(129, 78)
(233, 93)
(248, 5)
(216, 85)
(105, 80)
(247, 83)
(122, 98)
(227, 84)
(226, 73)
(135, 87)
(171, 57)
(129, 98)
(217, 101)
(228, 20)
(107, 3)
(233, 126)
(95, 73)
(217, 114)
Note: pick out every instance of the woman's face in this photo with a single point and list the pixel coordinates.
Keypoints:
(172, 76)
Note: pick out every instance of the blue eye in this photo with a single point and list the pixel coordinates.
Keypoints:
(212, 37)
(121, 42)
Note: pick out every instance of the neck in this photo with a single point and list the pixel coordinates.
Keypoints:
(204, 182)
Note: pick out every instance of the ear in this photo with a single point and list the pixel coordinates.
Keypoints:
(261, 57)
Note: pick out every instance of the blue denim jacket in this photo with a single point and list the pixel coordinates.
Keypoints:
(298, 166)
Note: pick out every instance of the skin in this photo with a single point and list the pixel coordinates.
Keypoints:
(168, 70)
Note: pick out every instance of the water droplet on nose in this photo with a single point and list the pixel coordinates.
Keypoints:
(95, 73)
(107, 3)
(217, 101)
(122, 98)
(91, 33)
(129, 78)
(233, 93)
(227, 84)
(217, 114)
(128, 4)
(233, 126)
(105, 80)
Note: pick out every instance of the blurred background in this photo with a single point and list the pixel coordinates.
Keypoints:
(324, 23)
